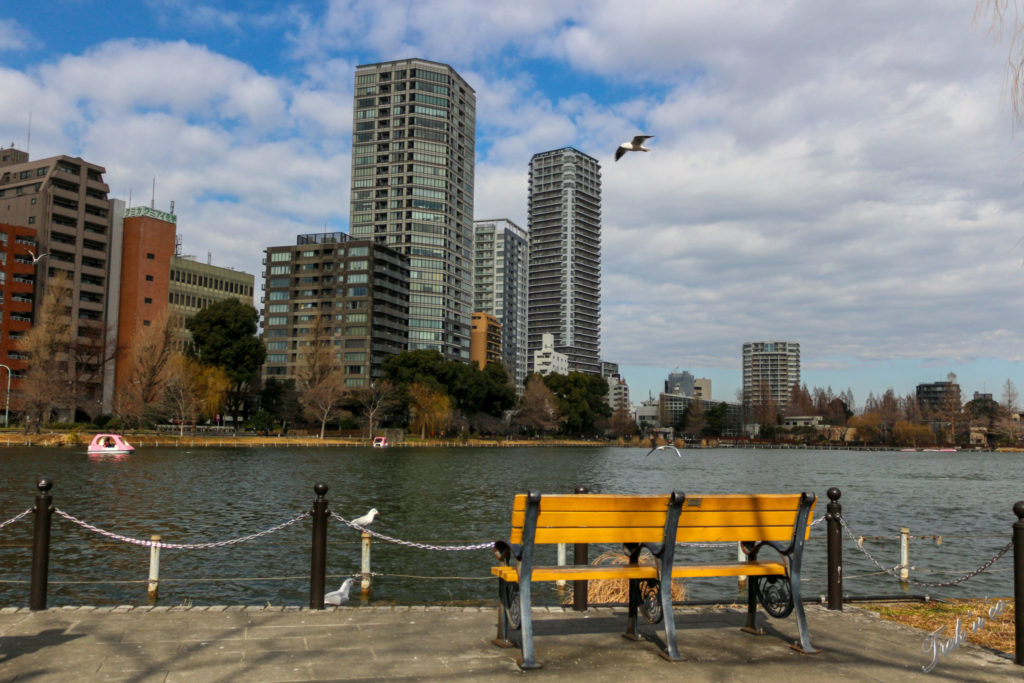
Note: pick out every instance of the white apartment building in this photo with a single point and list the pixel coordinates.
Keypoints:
(500, 286)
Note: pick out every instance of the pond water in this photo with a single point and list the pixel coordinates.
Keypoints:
(463, 496)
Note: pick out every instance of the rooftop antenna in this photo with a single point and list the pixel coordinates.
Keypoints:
(152, 197)
(129, 197)
(28, 142)
(172, 206)
(209, 258)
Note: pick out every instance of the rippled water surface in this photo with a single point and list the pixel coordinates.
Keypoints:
(461, 496)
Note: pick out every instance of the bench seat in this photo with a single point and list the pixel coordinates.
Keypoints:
(679, 571)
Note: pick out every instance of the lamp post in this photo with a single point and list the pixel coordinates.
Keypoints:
(7, 403)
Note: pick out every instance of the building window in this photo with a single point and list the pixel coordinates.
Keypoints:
(149, 278)
(148, 300)
(145, 323)
(151, 256)
(31, 220)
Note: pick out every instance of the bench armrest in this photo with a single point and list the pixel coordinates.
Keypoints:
(504, 551)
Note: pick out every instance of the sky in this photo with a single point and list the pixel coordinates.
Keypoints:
(843, 175)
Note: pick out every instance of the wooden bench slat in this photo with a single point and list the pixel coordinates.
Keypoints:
(595, 535)
(595, 572)
(592, 502)
(603, 518)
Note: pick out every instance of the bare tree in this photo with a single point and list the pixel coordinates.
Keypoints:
(375, 402)
(432, 410)
(321, 383)
(46, 384)
(1006, 20)
(194, 391)
(1009, 421)
(538, 408)
(146, 368)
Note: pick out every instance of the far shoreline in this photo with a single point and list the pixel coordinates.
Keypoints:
(78, 438)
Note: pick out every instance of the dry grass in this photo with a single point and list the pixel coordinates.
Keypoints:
(996, 634)
(607, 591)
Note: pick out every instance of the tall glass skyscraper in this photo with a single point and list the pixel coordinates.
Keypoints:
(413, 146)
(565, 256)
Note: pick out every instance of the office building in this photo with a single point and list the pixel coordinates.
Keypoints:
(935, 397)
(64, 199)
(485, 340)
(770, 369)
(413, 147)
(358, 289)
(564, 214)
(17, 285)
(500, 287)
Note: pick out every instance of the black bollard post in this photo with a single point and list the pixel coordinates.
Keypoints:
(318, 557)
(41, 545)
(580, 552)
(834, 516)
(1018, 581)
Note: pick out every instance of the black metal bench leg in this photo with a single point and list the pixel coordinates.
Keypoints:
(526, 621)
(671, 651)
(634, 603)
(502, 639)
(751, 625)
(801, 618)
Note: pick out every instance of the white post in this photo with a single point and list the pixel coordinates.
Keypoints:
(904, 554)
(741, 557)
(561, 563)
(365, 583)
(154, 568)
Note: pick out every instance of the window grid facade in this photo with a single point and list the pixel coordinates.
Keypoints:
(500, 287)
(772, 367)
(413, 155)
(357, 288)
(565, 256)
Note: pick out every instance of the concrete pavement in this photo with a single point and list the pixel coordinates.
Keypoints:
(433, 643)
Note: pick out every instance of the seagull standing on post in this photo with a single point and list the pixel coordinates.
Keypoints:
(634, 145)
(365, 520)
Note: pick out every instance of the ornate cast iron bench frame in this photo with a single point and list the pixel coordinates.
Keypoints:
(657, 523)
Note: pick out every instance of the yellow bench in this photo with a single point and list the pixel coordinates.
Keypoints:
(657, 523)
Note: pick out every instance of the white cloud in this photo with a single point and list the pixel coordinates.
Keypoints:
(843, 176)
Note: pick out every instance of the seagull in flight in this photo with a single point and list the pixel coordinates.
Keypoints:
(662, 448)
(341, 595)
(634, 145)
(36, 259)
(366, 519)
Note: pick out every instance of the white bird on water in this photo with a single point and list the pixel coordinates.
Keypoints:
(341, 595)
(662, 448)
(366, 519)
(634, 145)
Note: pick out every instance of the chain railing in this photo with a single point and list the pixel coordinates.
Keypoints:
(14, 519)
(411, 544)
(178, 546)
(939, 584)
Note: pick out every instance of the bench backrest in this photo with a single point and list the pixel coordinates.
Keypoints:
(593, 518)
(719, 518)
(610, 518)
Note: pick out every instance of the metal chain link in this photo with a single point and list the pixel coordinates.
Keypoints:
(412, 544)
(12, 520)
(178, 546)
(892, 572)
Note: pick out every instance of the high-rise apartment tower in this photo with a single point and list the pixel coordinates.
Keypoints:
(413, 146)
(565, 256)
(500, 285)
(770, 369)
